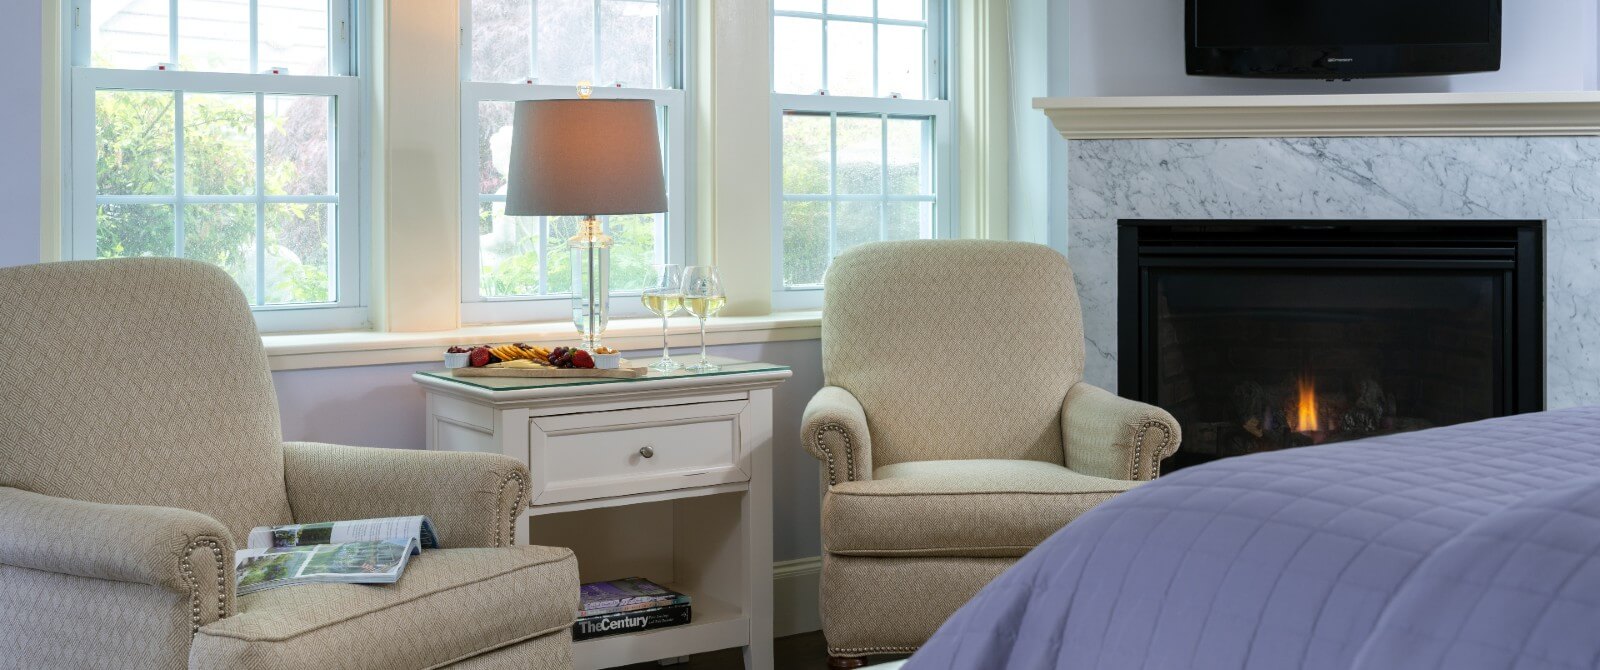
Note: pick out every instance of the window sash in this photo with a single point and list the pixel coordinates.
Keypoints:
(668, 41)
(934, 88)
(348, 259)
(478, 308)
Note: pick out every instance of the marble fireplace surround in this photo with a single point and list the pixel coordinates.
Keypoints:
(1345, 171)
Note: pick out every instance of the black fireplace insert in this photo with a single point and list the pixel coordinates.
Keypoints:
(1268, 335)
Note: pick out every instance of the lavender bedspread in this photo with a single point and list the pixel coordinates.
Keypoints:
(1472, 546)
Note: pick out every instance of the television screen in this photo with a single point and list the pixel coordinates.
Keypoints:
(1342, 38)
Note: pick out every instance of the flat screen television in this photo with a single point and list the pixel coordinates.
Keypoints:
(1342, 39)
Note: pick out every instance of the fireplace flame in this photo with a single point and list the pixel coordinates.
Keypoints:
(1307, 410)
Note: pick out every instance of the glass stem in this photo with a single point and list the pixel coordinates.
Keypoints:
(703, 359)
(666, 353)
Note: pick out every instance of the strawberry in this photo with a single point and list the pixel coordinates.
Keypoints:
(581, 359)
(480, 357)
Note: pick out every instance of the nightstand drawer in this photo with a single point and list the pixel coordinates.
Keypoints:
(605, 454)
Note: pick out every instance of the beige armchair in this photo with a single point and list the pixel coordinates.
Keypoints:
(955, 430)
(139, 443)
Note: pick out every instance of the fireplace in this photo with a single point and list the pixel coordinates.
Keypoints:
(1268, 335)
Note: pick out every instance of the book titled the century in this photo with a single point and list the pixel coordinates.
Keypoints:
(628, 605)
(601, 625)
(365, 551)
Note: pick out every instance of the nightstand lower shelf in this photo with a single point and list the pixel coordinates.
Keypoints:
(715, 625)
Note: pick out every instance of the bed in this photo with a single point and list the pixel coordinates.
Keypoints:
(1471, 546)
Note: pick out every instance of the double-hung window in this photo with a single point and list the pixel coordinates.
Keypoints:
(861, 131)
(226, 131)
(516, 268)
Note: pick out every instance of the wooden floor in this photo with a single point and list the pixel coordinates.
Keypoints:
(800, 652)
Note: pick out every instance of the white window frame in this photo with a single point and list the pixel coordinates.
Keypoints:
(938, 107)
(349, 256)
(477, 308)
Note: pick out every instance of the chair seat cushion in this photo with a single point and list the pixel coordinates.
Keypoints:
(984, 508)
(450, 604)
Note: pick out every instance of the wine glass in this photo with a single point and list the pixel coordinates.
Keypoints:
(703, 298)
(663, 297)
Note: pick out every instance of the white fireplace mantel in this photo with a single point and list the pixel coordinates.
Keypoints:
(1409, 114)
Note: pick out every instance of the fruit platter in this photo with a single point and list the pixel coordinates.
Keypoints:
(524, 360)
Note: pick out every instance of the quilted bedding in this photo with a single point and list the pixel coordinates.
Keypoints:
(1471, 546)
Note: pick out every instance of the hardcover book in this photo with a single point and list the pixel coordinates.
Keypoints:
(626, 595)
(602, 625)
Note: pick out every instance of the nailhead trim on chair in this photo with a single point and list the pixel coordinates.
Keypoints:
(1138, 449)
(862, 651)
(186, 567)
(849, 452)
(516, 506)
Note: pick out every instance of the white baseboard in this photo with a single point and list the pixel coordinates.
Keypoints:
(796, 588)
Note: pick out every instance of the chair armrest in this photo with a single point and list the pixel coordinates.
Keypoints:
(178, 550)
(834, 430)
(474, 499)
(1110, 436)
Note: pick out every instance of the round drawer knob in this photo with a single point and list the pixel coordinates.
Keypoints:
(647, 451)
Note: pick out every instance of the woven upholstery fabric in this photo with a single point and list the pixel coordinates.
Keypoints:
(180, 551)
(995, 508)
(1297, 558)
(473, 499)
(834, 430)
(891, 605)
(138, 382)
(1110, 436)
(551, 651)
(452, 604)
(955, 349)
(54, 620)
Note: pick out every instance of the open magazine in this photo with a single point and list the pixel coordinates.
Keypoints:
(363, 551)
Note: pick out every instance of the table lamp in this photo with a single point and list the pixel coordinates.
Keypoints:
(586, 158)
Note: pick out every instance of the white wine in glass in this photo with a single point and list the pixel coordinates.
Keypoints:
(663, 297)
(703, 297)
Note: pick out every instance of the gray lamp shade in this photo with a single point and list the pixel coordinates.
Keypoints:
(585, 157)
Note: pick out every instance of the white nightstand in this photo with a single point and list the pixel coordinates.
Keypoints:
(667, 477)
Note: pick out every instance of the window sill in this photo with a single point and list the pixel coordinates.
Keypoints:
(355, 348)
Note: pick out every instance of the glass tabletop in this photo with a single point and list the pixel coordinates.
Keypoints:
(729, 367)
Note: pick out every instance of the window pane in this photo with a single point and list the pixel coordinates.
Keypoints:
(850, 7)
(805, 153)
(298, 252)
(798, 5)
(910, 164)
(133, 230)
(494, 146)
(797, 55)
(860, 155)
(901, 61)
(508, 252)
(910, 10)
(633, 250)
(857, 222)
(293, 35)
(805, 242)
(213, 35)
(558, 261)
(219, 144)
(502, 48)
(566, 41)
(908, 221)
(849, 58)
(628, 43)
(298, 144)
(225, 236)
(134, 143)
(130, 35)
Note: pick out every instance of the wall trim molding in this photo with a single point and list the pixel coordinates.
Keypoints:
(1376, 115)
(796, 592)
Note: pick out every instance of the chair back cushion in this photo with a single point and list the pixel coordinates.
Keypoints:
(956, 349)
(138, 382)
